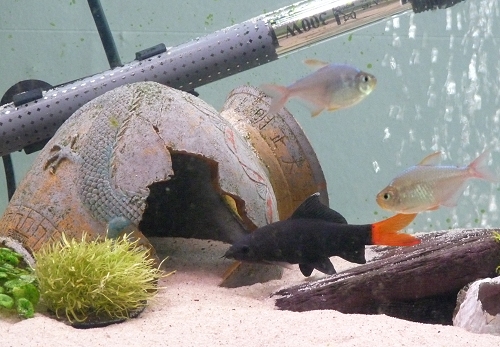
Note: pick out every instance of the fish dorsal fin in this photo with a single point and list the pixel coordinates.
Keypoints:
(431, 160)
(317, 64)
(312, 208)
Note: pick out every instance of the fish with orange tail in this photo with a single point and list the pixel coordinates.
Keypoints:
(313, 234)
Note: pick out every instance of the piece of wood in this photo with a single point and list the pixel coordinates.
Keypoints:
(413, 283)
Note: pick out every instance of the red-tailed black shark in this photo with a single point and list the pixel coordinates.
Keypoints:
(313, 234)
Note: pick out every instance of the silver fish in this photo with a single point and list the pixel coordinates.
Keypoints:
(332, 87)
(428, 185)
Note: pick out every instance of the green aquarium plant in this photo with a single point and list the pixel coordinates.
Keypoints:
(496, 237)
(18, 290)
(95, 280)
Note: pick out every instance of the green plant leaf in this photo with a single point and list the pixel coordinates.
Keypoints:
(11, 284)
(28, 278)
(17, 284)
(7, 267)
(25, 308)
(9, 256)
(6, 301)
(27, 291)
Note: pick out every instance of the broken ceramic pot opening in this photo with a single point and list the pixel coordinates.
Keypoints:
(191, 204)
(170, 164)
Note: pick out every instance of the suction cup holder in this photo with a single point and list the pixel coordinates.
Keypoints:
(424, 5)
(24, 92)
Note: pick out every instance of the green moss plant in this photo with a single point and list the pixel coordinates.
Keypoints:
(96, 279)
(496, 237)
(18, 290)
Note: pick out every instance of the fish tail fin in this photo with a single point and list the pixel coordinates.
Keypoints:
(480, 168)
(279, 95)
(386, 233)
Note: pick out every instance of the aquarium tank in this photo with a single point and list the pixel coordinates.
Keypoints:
(437, 71)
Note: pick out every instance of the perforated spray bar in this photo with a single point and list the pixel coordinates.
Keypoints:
(201, 61)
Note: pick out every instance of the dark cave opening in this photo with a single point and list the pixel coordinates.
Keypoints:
(190, 204)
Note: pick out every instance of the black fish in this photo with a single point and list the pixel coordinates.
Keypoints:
(313, 234)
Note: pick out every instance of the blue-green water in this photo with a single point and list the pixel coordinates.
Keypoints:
(438, 87)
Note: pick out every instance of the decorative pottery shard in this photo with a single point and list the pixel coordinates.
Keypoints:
(281, 145)
(170, 164)
(478, 309)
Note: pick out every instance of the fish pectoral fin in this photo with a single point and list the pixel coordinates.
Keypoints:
(306, 269)
(323, 265)
(283, 264)
(452, 200)
(431, 160)
(314, 102)
(333, 108)
(315, 63)
(230, 270)
(316, 112)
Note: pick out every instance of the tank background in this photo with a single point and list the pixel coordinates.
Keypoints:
(438, 86)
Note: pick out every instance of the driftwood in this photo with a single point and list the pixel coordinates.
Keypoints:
(418, 283)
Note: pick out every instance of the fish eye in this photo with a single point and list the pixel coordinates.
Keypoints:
(245, 249)
(387, 196)
(365, 78)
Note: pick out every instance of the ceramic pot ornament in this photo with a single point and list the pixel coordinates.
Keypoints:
(167, 162)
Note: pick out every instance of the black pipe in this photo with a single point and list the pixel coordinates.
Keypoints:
(105, 33)
(9, 175)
